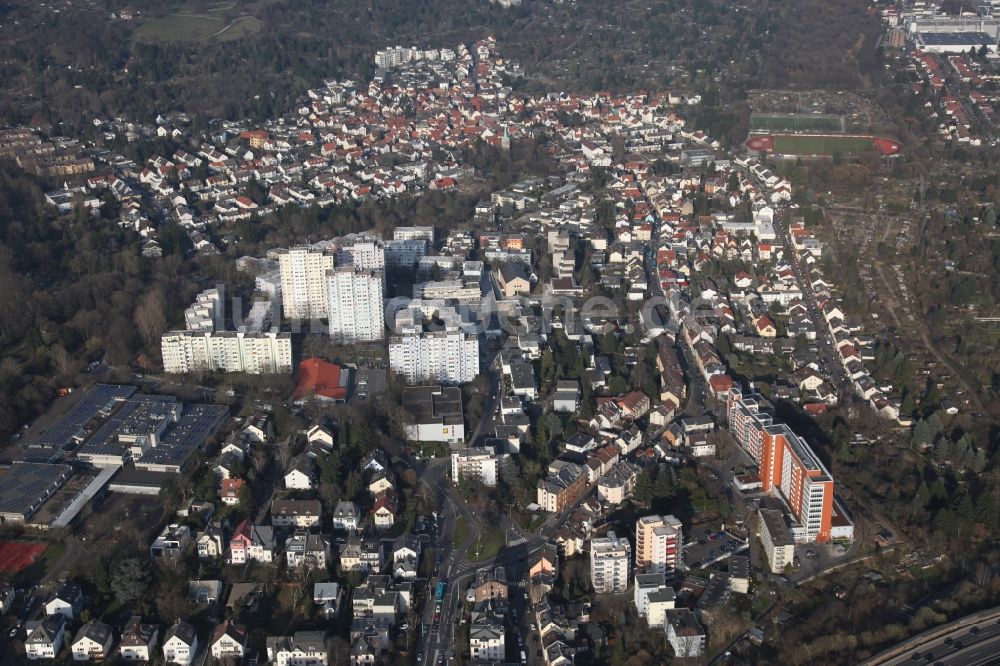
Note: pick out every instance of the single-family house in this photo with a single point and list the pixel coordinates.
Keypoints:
(180, 644)
(93, 642)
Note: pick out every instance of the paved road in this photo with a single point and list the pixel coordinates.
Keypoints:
(971, 641)
(824, 339)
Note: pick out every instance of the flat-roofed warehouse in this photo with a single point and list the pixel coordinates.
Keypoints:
(25, 487)
(954, 42)
(437, 413)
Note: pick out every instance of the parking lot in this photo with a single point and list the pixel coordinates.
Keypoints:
(708, 546)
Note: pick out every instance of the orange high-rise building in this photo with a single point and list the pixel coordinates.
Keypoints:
(788, 467)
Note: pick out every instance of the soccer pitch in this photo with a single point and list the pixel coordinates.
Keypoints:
(799, 122)
(796, 144)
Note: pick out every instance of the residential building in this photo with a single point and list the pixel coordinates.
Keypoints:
(513, 279)
(44, 638)
(346, 516)
(788, 467)
(328, 596)
(658, 603)
(229, 491)
(436, 413)
(206, 346)
(93, 642)
(644, 585)
(138, 641)
(774, 536)
(304, 648)
(296, 513)
(659, 544)
(563, 485)
(355, 304)
(449, 354)
(172, 541)
(609, 564)
(486, 640)
(304, 291)
(228, 641)
(476, 464)
(254, 353)
(617, 484)
(66, 601)
(180, 644)
(301, 474)
(310, 551)
(384, 510)
(684, 633)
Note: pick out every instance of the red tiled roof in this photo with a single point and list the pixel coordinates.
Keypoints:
(319, 378)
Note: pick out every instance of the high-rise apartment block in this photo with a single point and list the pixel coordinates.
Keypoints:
(304, 289)
(355, 305)
(609, 564)
(205, 347)
(658, 544)
(788, 467)
(444, 351)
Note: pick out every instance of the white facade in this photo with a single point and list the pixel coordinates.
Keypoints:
(448, 357)
(404, 254)
(363, 255)
(227, 351)
(609, 564)
(413, 233)
(303, 282)
(486, 643)
(355, 304)
(298, 480)
(177, 651)
(475, 464)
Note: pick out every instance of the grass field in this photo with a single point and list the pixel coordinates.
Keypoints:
(179, 28)
(786, 144)
(487, 546)
(805, 122)
(461, 532)
(198, 22)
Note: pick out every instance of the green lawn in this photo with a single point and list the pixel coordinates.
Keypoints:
(191, 26)
(487, 547)
(792, 144)
(177, 28)
(461, 532)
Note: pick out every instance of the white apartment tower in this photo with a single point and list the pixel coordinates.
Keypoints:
(366, 254)
(303, 282)
(354, 300)
(609, 564)
(658, 544)
(449, 355)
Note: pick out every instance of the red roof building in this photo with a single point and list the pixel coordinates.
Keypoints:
(322, 380)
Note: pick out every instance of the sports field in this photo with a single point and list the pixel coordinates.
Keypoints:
(820, 144)
(762, 123)
(18, 555)
(798, 144)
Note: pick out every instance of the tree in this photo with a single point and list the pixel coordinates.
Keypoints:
(150, 316)
(129, 580)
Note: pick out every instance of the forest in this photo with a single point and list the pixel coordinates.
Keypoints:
(77, 64)
(76, 289)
